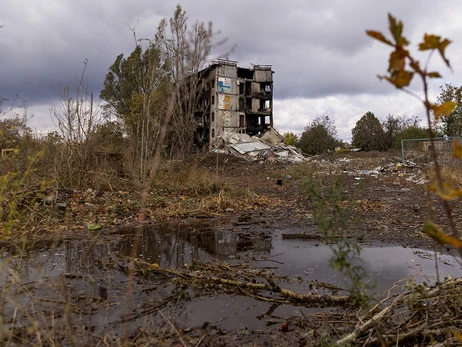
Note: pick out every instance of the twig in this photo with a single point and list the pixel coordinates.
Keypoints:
(369, 323)
(174, 328)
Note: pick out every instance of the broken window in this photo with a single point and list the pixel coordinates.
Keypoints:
(265, 87)
(248, 88)
(265, 105)
(213, 83)
(213, 116)
(241, 104)
(248, 104)
(241, 88)
(213, 133)
(242, 121)
(213, 99)
(244, 73)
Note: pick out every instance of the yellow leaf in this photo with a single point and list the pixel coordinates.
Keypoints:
(154, 266)
(457, 149)
(400, 79)
(433, 74)
(447, 191)
(457, 335)
(415, 66)
(378, 36)
(430, 42)
(439, 235)
(442, 48)
(397, 61)
(444, 109)
(396, 29)
(435, 42)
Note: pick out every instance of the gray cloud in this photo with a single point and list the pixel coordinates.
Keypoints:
(318, 49)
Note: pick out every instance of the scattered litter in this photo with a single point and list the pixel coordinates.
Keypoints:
(270, 147)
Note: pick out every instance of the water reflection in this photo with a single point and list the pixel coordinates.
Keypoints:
(386, 265)
(174, 247)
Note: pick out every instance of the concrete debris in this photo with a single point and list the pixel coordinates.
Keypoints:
(233, 138)
(272, 137)
(250, 148)
(269, 147)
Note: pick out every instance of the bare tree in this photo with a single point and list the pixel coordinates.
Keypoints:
(77, 114)
(185, 53)
(76, 117)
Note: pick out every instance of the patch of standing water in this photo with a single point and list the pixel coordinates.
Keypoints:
(385, 264)
(307, 260)
(301, 261)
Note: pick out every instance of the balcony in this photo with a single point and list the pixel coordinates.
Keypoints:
(263, 95)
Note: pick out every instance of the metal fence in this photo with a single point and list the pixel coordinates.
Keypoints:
(419, 150)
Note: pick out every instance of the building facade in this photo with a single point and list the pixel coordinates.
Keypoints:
(233, 99)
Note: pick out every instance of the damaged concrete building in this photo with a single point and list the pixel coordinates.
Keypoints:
(233, 99)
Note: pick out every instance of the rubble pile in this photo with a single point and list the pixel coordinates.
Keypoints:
(269, 147)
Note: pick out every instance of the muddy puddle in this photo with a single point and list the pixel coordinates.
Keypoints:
(299, 263)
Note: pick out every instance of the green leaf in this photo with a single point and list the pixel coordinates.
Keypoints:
(378, 36)
(94, 226)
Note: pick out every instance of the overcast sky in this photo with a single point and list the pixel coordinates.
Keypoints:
(324, 63)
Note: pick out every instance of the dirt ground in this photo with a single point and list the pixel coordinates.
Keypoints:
(97, 298)
(389, 202)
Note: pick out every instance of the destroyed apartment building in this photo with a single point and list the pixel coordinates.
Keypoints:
(233, 100)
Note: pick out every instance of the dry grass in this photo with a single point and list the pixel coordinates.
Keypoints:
(189, 177)
(453, 174)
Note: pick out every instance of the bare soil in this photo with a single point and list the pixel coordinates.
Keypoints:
(388, 207)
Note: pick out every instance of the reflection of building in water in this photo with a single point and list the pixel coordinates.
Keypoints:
(173, 246)
(264, 245)
(220, 242)
(227, 242)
